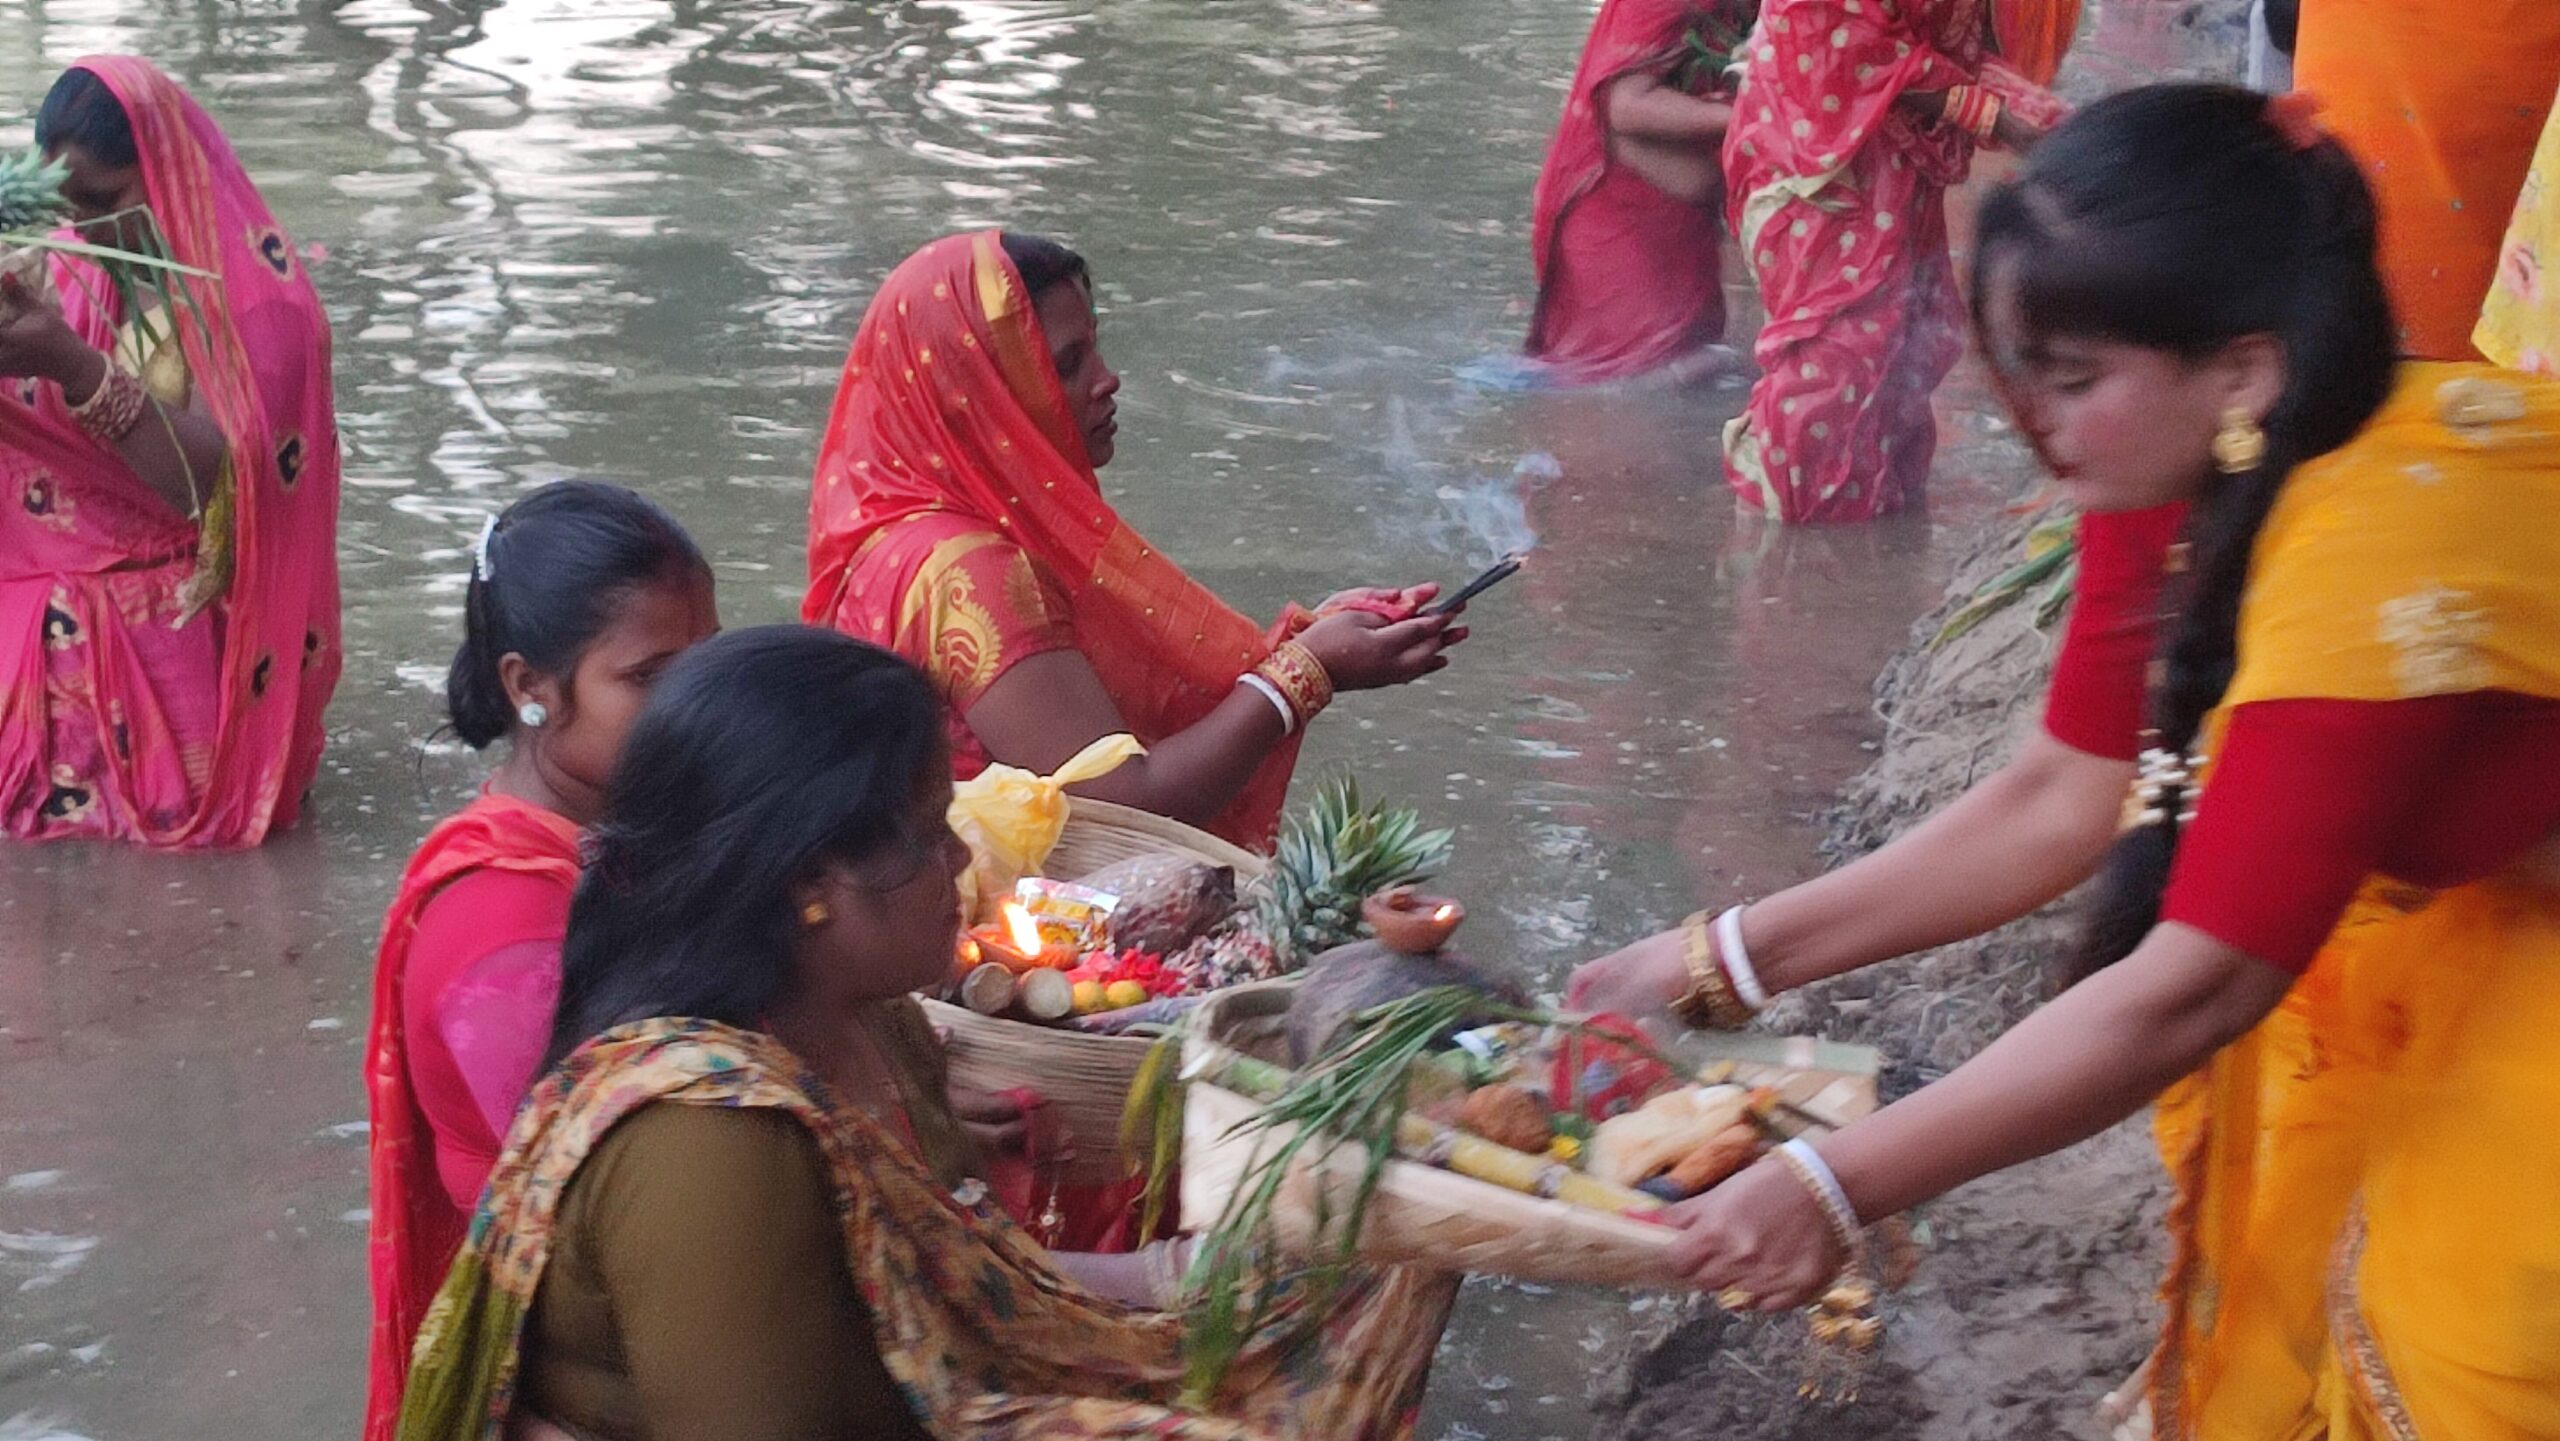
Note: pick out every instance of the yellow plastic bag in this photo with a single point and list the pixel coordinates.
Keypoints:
(1012, 819)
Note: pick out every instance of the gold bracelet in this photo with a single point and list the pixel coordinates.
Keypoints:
(1710, 1003)
(1301, 679)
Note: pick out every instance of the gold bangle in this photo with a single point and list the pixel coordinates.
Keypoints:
(1301, 679)
(1710, 1003)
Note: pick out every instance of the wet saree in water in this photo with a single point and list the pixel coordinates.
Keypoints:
(1838, 198)
(956, 520)
(135, 703)
(1629, 278)
(2367, 1180)
(981, 1337)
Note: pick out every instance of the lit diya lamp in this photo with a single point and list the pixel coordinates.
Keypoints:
(1406, 920)
(1018, 944)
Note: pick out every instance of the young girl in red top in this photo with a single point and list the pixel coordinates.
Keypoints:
(580, 595)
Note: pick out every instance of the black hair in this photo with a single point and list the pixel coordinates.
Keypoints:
(548, 580)
(761, 755)
(80, 110)
(1044, 262)
(2181, 218)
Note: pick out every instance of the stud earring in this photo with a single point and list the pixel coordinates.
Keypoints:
(815, 914)
(533, 714)
(2240, 444)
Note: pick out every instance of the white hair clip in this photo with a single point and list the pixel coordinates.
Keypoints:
(480, 568)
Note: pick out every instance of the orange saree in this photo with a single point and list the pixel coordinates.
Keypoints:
(2442, 102)
(956, 520)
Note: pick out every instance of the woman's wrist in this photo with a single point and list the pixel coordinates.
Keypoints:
(1299, 678)
(75, 365)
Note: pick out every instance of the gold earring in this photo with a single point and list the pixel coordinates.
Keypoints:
(815, 914)
(2240, 444)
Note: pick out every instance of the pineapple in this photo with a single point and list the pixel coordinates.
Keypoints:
(31, 206)
(1334, 855)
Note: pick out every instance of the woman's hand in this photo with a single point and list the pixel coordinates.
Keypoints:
(36, 341)
(1001, 1124)
(1364, 651)
(1388, 602)
(2015, 134)
(1639, 982)
(1761, 1238)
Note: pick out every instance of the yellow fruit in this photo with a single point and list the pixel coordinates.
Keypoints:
(1121, 994)
(1089, 997)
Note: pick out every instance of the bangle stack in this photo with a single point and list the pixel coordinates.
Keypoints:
(1974, 110)
(1298, 679)
(1799, 1157)
(1279, 702)
(1724, 990)
(114, 408)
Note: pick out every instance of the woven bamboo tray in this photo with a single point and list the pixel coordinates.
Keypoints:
(1086, 1078)
(1421, 1215)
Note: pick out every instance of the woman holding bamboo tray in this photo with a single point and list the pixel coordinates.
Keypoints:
(712, 1220)
(1853, 121)
(168, 492)
(957, 519)
(2330, 932)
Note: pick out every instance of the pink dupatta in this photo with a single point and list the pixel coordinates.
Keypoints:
(121, 716)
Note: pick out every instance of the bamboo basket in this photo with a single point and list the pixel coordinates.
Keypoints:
(1086, 1078)
(1424, 1216)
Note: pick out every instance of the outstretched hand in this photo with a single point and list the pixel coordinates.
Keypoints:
(1640, 982)
(1759, 1241)
(1362, 650)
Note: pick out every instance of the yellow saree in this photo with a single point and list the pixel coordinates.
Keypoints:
(2367, 1227)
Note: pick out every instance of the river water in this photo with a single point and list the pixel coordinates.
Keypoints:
(630, 239)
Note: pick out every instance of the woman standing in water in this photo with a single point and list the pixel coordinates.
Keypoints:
(715, 1219)
(168, 496)
(1853, 121)
(2331, 930)
(957, 519)
(1625, 234)
(580, 596)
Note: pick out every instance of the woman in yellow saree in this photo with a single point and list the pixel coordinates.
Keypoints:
(715, 1219)
(2329, 944)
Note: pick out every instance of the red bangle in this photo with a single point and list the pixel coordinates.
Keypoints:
(114, 408)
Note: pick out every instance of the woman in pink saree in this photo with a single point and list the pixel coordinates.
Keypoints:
(1853, 120)
(168, 496)
(1626, 231)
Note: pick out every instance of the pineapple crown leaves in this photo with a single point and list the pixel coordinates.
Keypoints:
(1333, 855)
(31, 192)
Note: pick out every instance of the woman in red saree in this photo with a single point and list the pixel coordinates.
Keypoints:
(1852, 122)
(168, 561)
(580, 595)
(1625, 230)
(957, 519)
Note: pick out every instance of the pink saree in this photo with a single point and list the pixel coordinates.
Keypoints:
(1839, 201)
(121, 716)
(1629, 278)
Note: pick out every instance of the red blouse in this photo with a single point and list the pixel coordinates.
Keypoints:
(2308, 796)
(482, 983)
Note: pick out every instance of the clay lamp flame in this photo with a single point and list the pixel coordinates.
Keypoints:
(1407, 921)
(1018, 944)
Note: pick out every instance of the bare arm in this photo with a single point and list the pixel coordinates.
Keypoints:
(2034, 829)
(1047, 707)
(1643, 107)
(177, 451)
(2075, 1067)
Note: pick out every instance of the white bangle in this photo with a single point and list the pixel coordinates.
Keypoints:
(1737, 961)
(1279, 702)
(1800, 1157)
